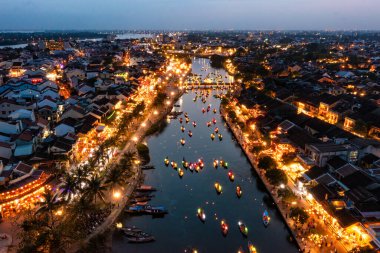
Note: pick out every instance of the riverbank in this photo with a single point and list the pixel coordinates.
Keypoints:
(153, 117)
(270, 189)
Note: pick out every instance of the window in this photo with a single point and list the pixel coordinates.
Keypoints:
(3, 112)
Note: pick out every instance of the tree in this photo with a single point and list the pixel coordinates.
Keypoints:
(267, 163)
(287, 195)
(276, 176)
(232, 115)
(299, 214)
(68, 187)
(256, 149)
(143, 151)
(95, 189)
(49, 203)
(115, 177)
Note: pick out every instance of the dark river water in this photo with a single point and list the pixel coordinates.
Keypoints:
(181, 229)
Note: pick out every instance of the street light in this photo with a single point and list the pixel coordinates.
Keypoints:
(116, 195)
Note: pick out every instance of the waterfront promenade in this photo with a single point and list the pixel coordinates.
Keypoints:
(297, 232)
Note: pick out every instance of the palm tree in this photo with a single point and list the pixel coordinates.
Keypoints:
(95, 188)
(68, 186)
(48, 205)
(115, 177)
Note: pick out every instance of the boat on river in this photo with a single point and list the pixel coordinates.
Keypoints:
(218, 187)
(266, 218)
(141, 239)
(214, 111)
(239, 191)
(201, 214)
(194, 124)
(209, 124)
(174, 165)
(216, 130)
(251, 248)
(190, 133)
(180, 172)
(203, 110)
(223, 163)
(224, 227)
(146, 188)
(187, 120)
(182, 141)
(220, 136)
(180, 120)
(182, 129)
(166, 161)
(215, 164)
(212, 136)
(243, 228)
(231, 175)
(214, 121)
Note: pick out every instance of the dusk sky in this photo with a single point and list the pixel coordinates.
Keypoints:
(189, 14)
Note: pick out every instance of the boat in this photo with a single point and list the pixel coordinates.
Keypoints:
(239, 191)
(166, 161)
(209, 124)
(201, 214)
(194, 124)
(214, 121)
(180, 120)
(224, 164)
(187, 120)
(200, 163)
(215, 163)
(131, 229)
(174, 165)
(141, 239)
(180, 172)
(216, 130)
(203, 110)
(218, 187)
(147, 167)
(186, 115)
(224, 227)
(212, 136)
(182, 129)
(220, 136)
(146, 188)
(155, 210)
(266, 218)
(214, 111)
(190, 133)
(243, 228)
(197, 168)
(231, 176)
(183, 141)
(251, 248)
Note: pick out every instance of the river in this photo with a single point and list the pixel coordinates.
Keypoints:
(181, 229)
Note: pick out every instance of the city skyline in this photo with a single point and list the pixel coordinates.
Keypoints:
(192, 15)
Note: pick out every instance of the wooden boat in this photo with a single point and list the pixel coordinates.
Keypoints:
(231, 175)
(239, 192)
(180, 172)
(141, 239)
(146, 188)
(266, 218)
(251, 248)
(224, 227)
(218, 187)
(243, 228)
(201, 214)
